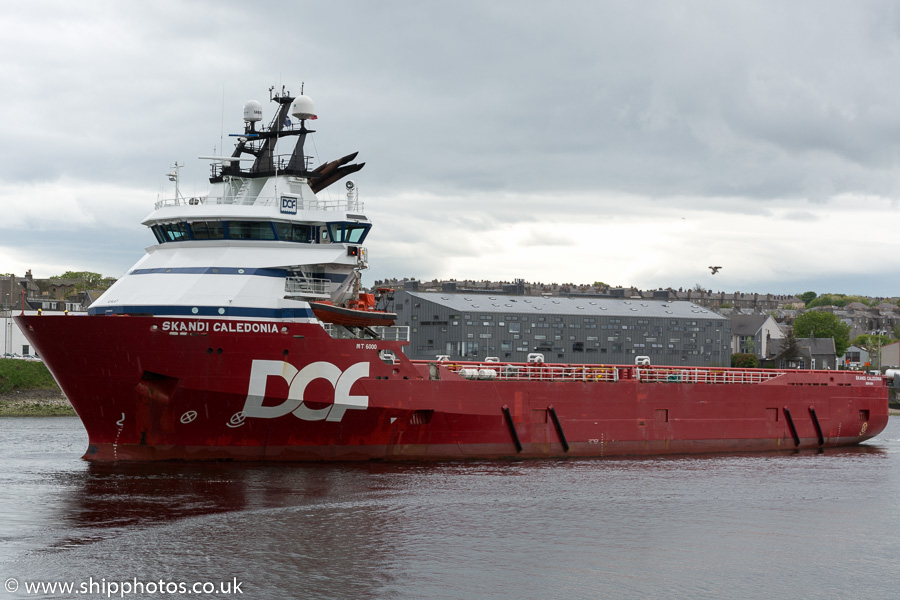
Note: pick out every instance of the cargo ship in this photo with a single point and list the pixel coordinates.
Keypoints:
(243, 334)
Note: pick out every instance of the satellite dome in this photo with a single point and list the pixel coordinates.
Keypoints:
(303, 108)
(252, 111)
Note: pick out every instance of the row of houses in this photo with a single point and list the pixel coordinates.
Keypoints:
(762, 336)
(29, 293)
(704, 298)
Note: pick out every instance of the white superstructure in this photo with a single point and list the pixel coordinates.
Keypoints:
(260, 244)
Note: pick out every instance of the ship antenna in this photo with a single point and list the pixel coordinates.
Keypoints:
(222, 121)
(173, 176)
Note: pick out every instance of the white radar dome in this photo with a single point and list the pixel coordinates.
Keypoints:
(252, 111)
(303, 108)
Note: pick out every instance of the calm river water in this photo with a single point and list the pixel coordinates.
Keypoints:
(804, 525)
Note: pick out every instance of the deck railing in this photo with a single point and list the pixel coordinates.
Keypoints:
(307, 287)
(601, 373)
(703, 375)
(302, 203)
(396, 333)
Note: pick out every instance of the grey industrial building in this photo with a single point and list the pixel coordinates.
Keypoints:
(587, 329)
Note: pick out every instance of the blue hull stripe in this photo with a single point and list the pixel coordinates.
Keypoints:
(205, 311)
(334, 277)
(213, 271)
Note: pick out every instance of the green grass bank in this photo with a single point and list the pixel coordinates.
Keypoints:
(27, 389)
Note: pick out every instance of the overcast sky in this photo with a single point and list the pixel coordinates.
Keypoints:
(634, 143)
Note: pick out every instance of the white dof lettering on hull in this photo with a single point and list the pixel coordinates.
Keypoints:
(342, 381)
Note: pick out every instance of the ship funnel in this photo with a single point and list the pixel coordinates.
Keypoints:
(252, 111)
(303, 108)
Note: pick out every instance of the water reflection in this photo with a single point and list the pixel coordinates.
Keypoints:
(105, 496)
(269, 525)
(108, 496)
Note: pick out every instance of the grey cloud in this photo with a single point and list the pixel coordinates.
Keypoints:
(733, 108)
(696, 98)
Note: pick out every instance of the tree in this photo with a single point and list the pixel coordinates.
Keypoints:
(824, 325)
(89, 278)
(790, 350)
(827, 300)
(868, 341)
(745, 361)
(751, 345)
(838, 300)
(807, 297)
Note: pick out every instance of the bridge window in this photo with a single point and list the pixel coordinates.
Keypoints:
(244, 230)
(171, 232)
(207, 230)
(250, 230)
(294, 232)
(349, 233)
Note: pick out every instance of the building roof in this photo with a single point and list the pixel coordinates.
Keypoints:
(554, 305)
(747, 324)
(855, 306)
(812, 345)
(818, 345)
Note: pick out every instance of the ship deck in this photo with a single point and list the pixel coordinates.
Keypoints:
(494, 371)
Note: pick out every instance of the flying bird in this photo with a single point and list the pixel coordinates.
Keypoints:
(714, 269)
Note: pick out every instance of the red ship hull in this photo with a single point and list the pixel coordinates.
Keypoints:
(151, 388)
